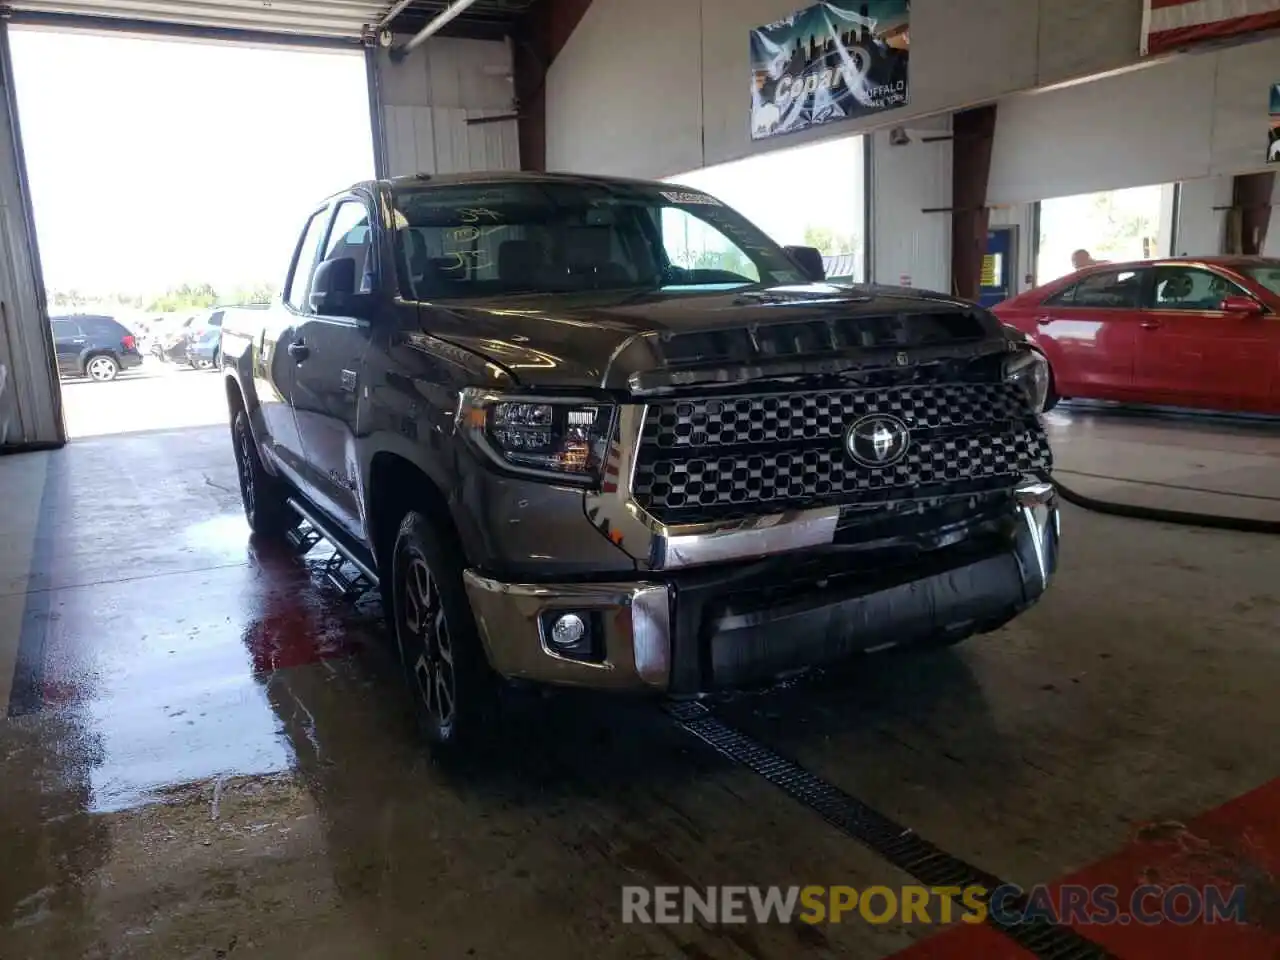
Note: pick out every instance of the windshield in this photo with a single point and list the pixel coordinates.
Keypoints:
(545, 237)
(1266, 274)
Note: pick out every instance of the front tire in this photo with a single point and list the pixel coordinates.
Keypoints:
(265, 498)
(101, 368)
(454, 691)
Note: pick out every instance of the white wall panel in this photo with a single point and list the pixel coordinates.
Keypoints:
(662, 87)
(1151, 125)
(1085, 37)
(1178, 119)
(625, 94)
(1242, 84)
(906, 180)
(428, 97)
(1201, 228)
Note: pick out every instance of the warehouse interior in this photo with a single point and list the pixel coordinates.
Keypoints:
(207, 749)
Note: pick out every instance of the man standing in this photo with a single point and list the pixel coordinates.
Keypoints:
(1081, 259)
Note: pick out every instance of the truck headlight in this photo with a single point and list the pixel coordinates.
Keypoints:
(554, 437)
(1030, 370)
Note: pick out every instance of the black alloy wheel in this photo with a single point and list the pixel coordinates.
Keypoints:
(455, 693)
(264, 497)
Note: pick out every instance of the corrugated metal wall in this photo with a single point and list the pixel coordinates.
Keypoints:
(428, 97)
(909, 245)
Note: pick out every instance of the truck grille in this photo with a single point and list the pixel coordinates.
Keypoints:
(710, 458)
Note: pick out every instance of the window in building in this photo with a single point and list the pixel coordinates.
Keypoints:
(1114, 225)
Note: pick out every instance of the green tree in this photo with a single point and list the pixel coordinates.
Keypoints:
(828, 241)
(189, 296)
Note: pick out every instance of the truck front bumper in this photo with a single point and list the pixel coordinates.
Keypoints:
(694, 631)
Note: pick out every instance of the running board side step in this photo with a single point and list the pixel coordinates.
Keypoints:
(305, 539)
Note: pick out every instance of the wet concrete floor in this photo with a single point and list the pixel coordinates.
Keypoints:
(208, 754)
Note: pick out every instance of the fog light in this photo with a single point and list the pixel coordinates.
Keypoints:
(568, 631)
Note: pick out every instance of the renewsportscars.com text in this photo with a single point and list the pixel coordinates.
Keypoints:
(1008, 905)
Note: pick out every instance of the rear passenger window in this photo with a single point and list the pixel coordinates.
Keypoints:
(64, 330)
(304, 262)
(1109, 289)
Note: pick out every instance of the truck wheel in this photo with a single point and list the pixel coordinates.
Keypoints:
(265, 497)
(454, 691)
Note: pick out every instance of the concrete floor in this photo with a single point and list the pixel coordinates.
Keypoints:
(206, 754)
(1218, 465)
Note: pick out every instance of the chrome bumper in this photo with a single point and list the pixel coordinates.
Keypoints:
(637, 617)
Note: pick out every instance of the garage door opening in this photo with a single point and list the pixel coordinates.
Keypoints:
(169, 178)
(1114, 225)
(812, 196)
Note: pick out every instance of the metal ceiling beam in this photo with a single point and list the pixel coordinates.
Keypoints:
(434, 26)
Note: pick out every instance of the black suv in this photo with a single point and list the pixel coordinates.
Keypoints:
(93, 346)
(606, 433)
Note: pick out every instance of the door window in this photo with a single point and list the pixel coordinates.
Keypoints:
(1108, 289)
(64, 330)
(304, 263)
(350, 236)
(1191, 288)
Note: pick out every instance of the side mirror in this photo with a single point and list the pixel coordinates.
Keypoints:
(810, 262)
(1242, 306)
(333, 289)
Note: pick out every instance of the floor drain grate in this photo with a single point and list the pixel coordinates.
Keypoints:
(891, 841)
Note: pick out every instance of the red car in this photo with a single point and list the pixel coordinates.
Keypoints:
(1187, 332)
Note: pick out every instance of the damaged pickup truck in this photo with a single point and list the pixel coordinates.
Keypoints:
(606, 433)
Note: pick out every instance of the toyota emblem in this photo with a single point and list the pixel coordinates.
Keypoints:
(878, 440)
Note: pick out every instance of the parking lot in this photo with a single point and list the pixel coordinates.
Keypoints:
(155, 396)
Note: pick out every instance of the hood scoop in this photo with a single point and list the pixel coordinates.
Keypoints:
(800, 348)
(799, 338)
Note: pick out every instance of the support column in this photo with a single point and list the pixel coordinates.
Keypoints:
(1250, 213)
(538, 39)
(973, 134)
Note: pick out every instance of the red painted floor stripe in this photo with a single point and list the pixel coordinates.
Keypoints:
(1237, 843)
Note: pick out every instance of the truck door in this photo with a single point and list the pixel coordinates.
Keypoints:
(327, 377)
(275, 363)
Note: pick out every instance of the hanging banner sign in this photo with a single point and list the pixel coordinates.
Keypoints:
(829, 62)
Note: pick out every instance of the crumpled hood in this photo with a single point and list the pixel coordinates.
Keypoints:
(598, 339)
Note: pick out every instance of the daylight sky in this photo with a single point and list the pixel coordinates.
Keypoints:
(158, 162)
